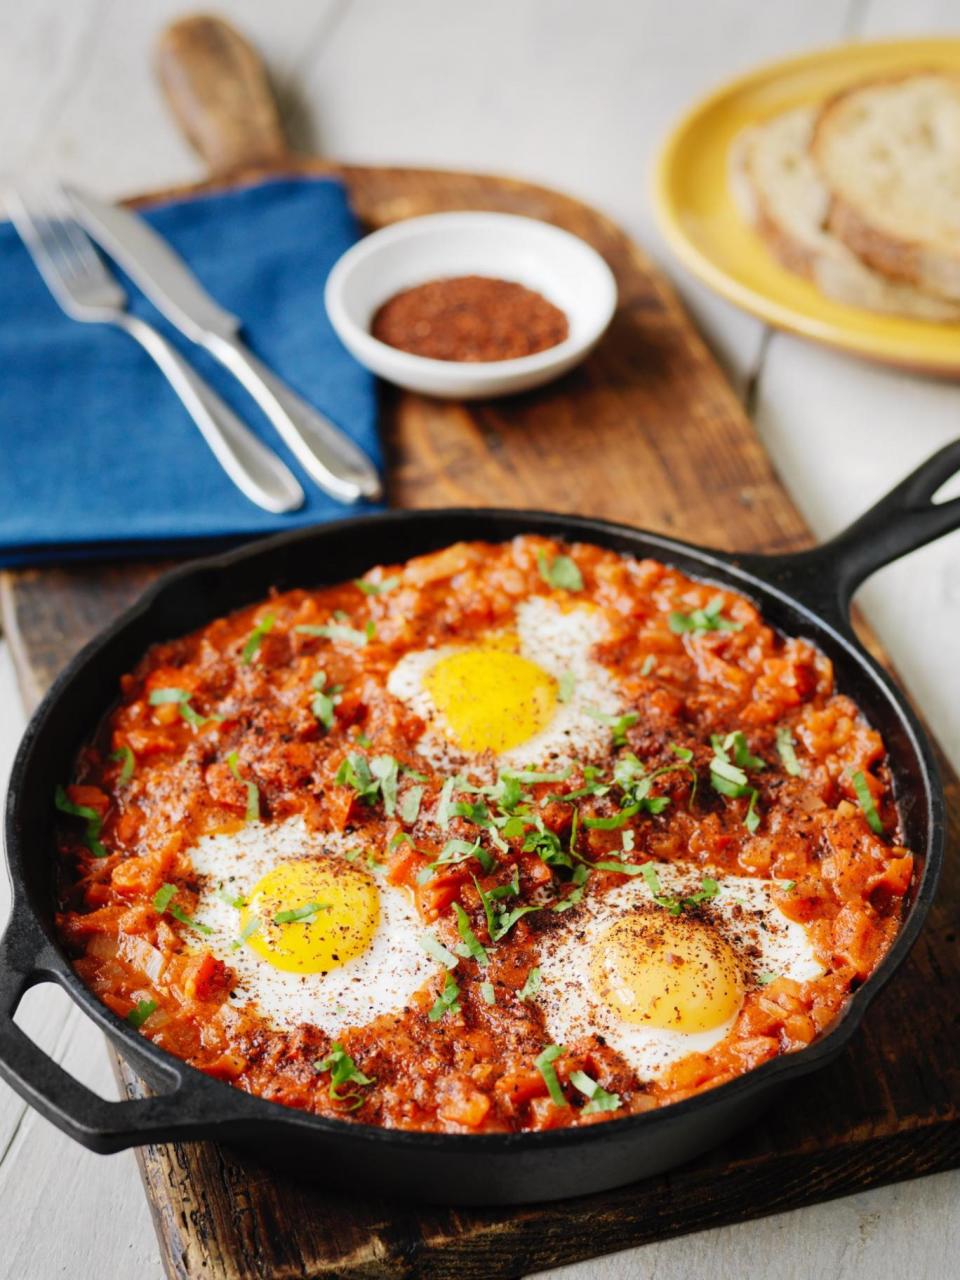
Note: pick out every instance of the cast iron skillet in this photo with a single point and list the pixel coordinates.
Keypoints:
(805, 594)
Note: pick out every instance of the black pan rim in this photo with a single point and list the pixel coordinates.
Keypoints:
(238, 1106)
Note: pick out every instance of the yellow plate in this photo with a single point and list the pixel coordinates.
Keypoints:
(701, 222)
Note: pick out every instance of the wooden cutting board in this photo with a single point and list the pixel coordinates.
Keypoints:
(648, 432)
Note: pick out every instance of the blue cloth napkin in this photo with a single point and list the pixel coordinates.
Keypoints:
(97, 455)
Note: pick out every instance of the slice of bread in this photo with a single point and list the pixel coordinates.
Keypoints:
(890, 153)
(778, 189)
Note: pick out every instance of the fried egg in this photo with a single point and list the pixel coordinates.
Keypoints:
(525, 695)
(311, 932)
(658, 986)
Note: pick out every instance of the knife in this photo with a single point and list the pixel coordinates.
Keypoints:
(323, 450)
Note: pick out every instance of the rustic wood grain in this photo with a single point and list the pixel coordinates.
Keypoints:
(647, 431)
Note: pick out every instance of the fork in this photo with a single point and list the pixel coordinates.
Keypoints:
(77, 277)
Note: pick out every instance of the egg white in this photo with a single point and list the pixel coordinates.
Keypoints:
(381, 980)
(744, 914)
(560, 642)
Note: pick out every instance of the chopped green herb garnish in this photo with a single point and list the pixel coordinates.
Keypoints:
(488, 992)
(544, 1064)
(788, 886)
(598, 1099)
(561, 572)
(255, 638)
(578, 880)
(471, 943)
(499, 923)
(237, 901)
(448, 1001)
(709, 618)
(615, 822)
(565, 686)
(325, 699)
(249, 929)
(371, 779)
(730, 779)
(163, 897)
(409, 808)
(125, 754)
(376, 588)
(531, 986)
(621, 868)
(682, 753)
(92, 820)
(252, 813)
(385, 769)
(787, 753)
(764, 979)
(337, 631)
(618, 724)
(306, 913)
(865, 797)
(649, 663)
(435, 949)
(140, 1012)
(164, 904)
(652, 879)
(343, 1070)
(162, 697)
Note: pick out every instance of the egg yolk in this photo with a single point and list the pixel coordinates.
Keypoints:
(311, 915)
(667, 972)
(491, 699)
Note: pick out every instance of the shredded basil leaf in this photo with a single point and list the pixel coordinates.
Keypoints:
(565, 686)
(140, 1012)
(252, 813)
(598, 1099)
(787, 754)
(618, 724)
(531, 986)
(448, 1001)
(409, 808)
(93, 823)
(125, 754)
(376, 588)
(561, 572)
(343, 1070)
(435, 949)
(255, 638)
(249, 929)
(544, 1064)
(865, 797)
(472, 946)
(237, 901)
(337, 631)
(488, 992)
(162, 697)
(709, 618)
(306, 913)
(164, 904)
(649, 663)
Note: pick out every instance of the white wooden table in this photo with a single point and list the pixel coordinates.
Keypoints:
(576, 95)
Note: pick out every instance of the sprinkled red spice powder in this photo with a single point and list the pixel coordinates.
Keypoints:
(475, 318)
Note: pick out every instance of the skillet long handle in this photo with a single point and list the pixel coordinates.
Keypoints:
(904, 520)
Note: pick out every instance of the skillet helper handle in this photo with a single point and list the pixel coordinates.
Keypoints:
(904, 520)
(40, 1080)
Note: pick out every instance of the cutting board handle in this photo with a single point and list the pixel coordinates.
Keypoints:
(217, 88)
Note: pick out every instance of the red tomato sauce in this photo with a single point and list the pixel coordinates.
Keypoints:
(159, 776)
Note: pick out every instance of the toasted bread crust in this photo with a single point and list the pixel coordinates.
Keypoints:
(931, 268)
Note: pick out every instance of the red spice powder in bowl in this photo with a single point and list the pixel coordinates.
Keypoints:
(470, 305)
(470, 318)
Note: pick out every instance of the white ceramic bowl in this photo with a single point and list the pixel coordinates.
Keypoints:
(556, 264)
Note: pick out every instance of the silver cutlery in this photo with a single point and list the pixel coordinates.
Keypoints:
(80, 282)
(323, 450)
